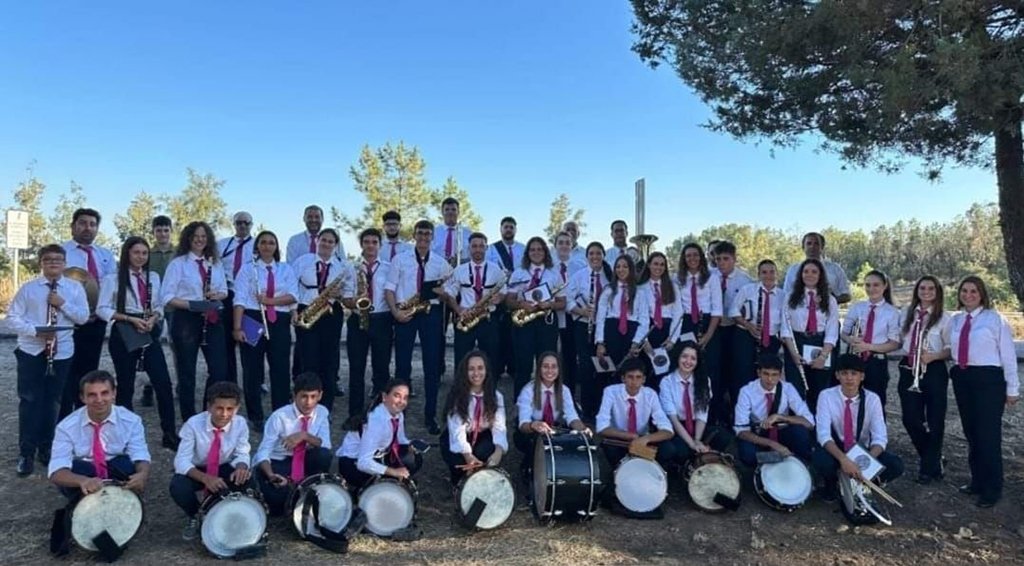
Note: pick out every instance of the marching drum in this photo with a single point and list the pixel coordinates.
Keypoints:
(334, 505)
(859, 505)
(485, 499)
(106, 520)
(712, 482)
(566, 477)
(389, 505)
(640, 485)
(785, 485)
(233, 523)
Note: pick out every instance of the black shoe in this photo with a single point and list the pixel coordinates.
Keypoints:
(967, 489)
(432, 428)
(339, 392)
(924, 479)
(986, 502)
(147, 396)
(170, 441)
(43, 456)
(25, 466)
(830, 494)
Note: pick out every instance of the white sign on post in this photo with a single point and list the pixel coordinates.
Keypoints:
(17, 229)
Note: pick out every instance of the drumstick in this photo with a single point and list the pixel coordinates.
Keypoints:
(882, 493)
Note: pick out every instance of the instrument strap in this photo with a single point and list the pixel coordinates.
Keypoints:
(777, 400)
(475, 511)
(334, 541)
(506, 259)
(107, 547)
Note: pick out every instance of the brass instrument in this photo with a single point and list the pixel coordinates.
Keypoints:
(364, 306)
(416, 303)
(51, 321)
(917, 369)
(206, 291)
(321, 305)
(855, 332)
(91, 286)
(480, 311)
(262, 307)
(520, 317)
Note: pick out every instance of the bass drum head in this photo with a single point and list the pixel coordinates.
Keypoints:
(389, 506)
(335, 502)
(788, 482)
(542, 475)
(709, 480)
(113, 509)
(492, 486)
(640, 485)
(232, 522)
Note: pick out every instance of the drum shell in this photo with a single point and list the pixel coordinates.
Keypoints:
(210, 502)
(723, 463)
(97, 499)
(509, 498)
(298, 497)
(407, 485)
(566, 478)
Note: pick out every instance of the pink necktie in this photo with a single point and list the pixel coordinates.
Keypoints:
(448, 244)
(271, 287)
(913, 335)
(511, 257)
(94, 272)
(213, 456)
(694, 311)
(766, 319)
(393, 250)
(725, 284)
(211, 315)
(395, 459)
(535, 280)
(549, 411)
(478, 413)
(99, 456)
(657, 307)
(564, 273)
(964, 347)
(623, 310)
(478, 283)
(323, 271)
(769, 400)
(848, 439)
(299, 454)
(869, 332)
(312, 243)
(238, 258)
(631, 423)
(687, 409)
(812, 314)
(140, 286)
(369, 280)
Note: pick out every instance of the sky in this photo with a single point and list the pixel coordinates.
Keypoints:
(519, 101)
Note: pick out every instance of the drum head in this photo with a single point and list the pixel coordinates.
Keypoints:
(640, 485)
(542, 460)
(709, 480)
(493, 487)
(335, 506)
(389, 506)
(787, 481)
(236, 521)
(113, 509)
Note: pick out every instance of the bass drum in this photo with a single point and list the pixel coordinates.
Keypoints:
(640, 485)
(113, 511)
(783, 486)
(233, 523)
(389, 505)
(566, 477)
(334, 505)
(485, 498)
(711, 480)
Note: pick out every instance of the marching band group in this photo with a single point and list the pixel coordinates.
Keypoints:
(667, 366)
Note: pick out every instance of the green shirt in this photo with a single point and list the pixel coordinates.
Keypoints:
(158, 260)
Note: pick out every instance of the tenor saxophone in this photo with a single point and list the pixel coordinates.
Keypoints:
(363, 304)
(480, 311)
(520, 317)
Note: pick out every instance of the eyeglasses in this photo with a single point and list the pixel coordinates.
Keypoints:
(242, 222)
(52, 260)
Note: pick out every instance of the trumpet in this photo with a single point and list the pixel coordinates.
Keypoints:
(520, 317)
(51, 321)
(917, 368)
(854, 333)
(480, 311)
(363, 303)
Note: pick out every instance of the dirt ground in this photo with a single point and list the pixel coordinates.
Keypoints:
(936, 525)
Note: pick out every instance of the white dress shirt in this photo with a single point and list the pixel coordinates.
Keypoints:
(391, 249)
(609, 307)
(120, 433)
(612, 253)
(461, 285)
(285, 422)
(381, 269)
(197, 438)
(734, 282)
(350, 445)
(572, 265)
(516, 253)
(30, 309)
(230, 246)
(252, 279)
(376, 439)
(106, 306)
(460, 430)
(183, 281)
(936, 338)
(829, 417)
(104, 258)
(519, 281)
(990, 344)
(670, 395)
(582, 288)
(885, 328)
(579, 253)
(838, 284)
(614, 410)
(529, 413)
(402, 276)
(298, 245)
(750, 296)
(709, 297)
(752, 405)
(305, 269)
(672, 311)
(795, 320)
(458, 231)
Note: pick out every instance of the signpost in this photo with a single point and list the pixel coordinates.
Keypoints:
(17, 238)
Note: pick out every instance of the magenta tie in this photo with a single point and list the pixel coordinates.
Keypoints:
(448, 244)
(869, 332)
(393, 250)
(99, 456)
(766, 320)
(725, 283)
(271, 287)
(913, 335)
(395, 459)
(597, 285)
(312, 243)
(213, 456)
(478, 283)
(964, 347)
(211, 315)
(694, 311)
(657, 307)
(535, 280)
(299, 454)
(140, 286)
(623, 310)
(549, 411)
(511, 257)
(564, 272)
(848, 439)
(631, 422)
(812, 314)
(238, 258)
(769, 400)
(478, 413)
(688, 410)
(94, 272)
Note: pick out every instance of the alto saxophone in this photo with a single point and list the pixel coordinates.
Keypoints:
(520, 317)
(480, 311)
(416, 303)
(319, 306)
(363, 304)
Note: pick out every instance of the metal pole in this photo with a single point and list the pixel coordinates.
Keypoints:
(17, 269)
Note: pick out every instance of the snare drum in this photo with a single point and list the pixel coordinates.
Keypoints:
(233, 522)
(334, 505)
(566, 477)
(389, 505)
(711, 476)
(113, 511)
(485, 499)
(783, 486)
(640, 485)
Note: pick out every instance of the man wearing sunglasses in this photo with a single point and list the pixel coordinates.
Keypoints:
(236, 254)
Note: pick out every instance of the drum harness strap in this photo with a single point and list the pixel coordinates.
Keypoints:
(860, 421)
(334, 541)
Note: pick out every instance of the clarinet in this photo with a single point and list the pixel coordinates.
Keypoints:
(147, 311)
(51, 321)
(757, 318)
(593, 305)
(206, 290)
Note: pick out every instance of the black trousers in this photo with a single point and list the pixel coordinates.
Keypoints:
(617, 345)
(876, 378)
(483, 336)
(230, 344)
(483, 449)
(506, 355)
(981, 397)
(424, 325)
(318, 350)
(39, 397)
(726, 336)
(924, 414)
(187, 335)
(356, 478)
(817, 379)
(318, 461)
(375, 340)
(745, 351)
(183, 488)
(154, 364)
(275, 351)
(567, 350)
(531, 340)
(88, 349)
(591, 385)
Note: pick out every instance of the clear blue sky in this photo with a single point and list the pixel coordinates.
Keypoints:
(519, 101)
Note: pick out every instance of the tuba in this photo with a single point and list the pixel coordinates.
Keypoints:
(363, 304)
(479, 311)
(520, 317)
(319, 306)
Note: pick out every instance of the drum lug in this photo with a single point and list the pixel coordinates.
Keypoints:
(596, 481)
(557, 513)
(559, 482)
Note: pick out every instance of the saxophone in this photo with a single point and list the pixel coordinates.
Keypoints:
(479, 311)
(363, 303)
(319, 306)
(416, 303)
(520, 317)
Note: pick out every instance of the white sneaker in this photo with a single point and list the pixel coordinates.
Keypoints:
(191, 529)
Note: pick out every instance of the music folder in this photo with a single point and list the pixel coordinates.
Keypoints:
(203, 306)
(603, 366)
(132, 338)
(252, 329)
